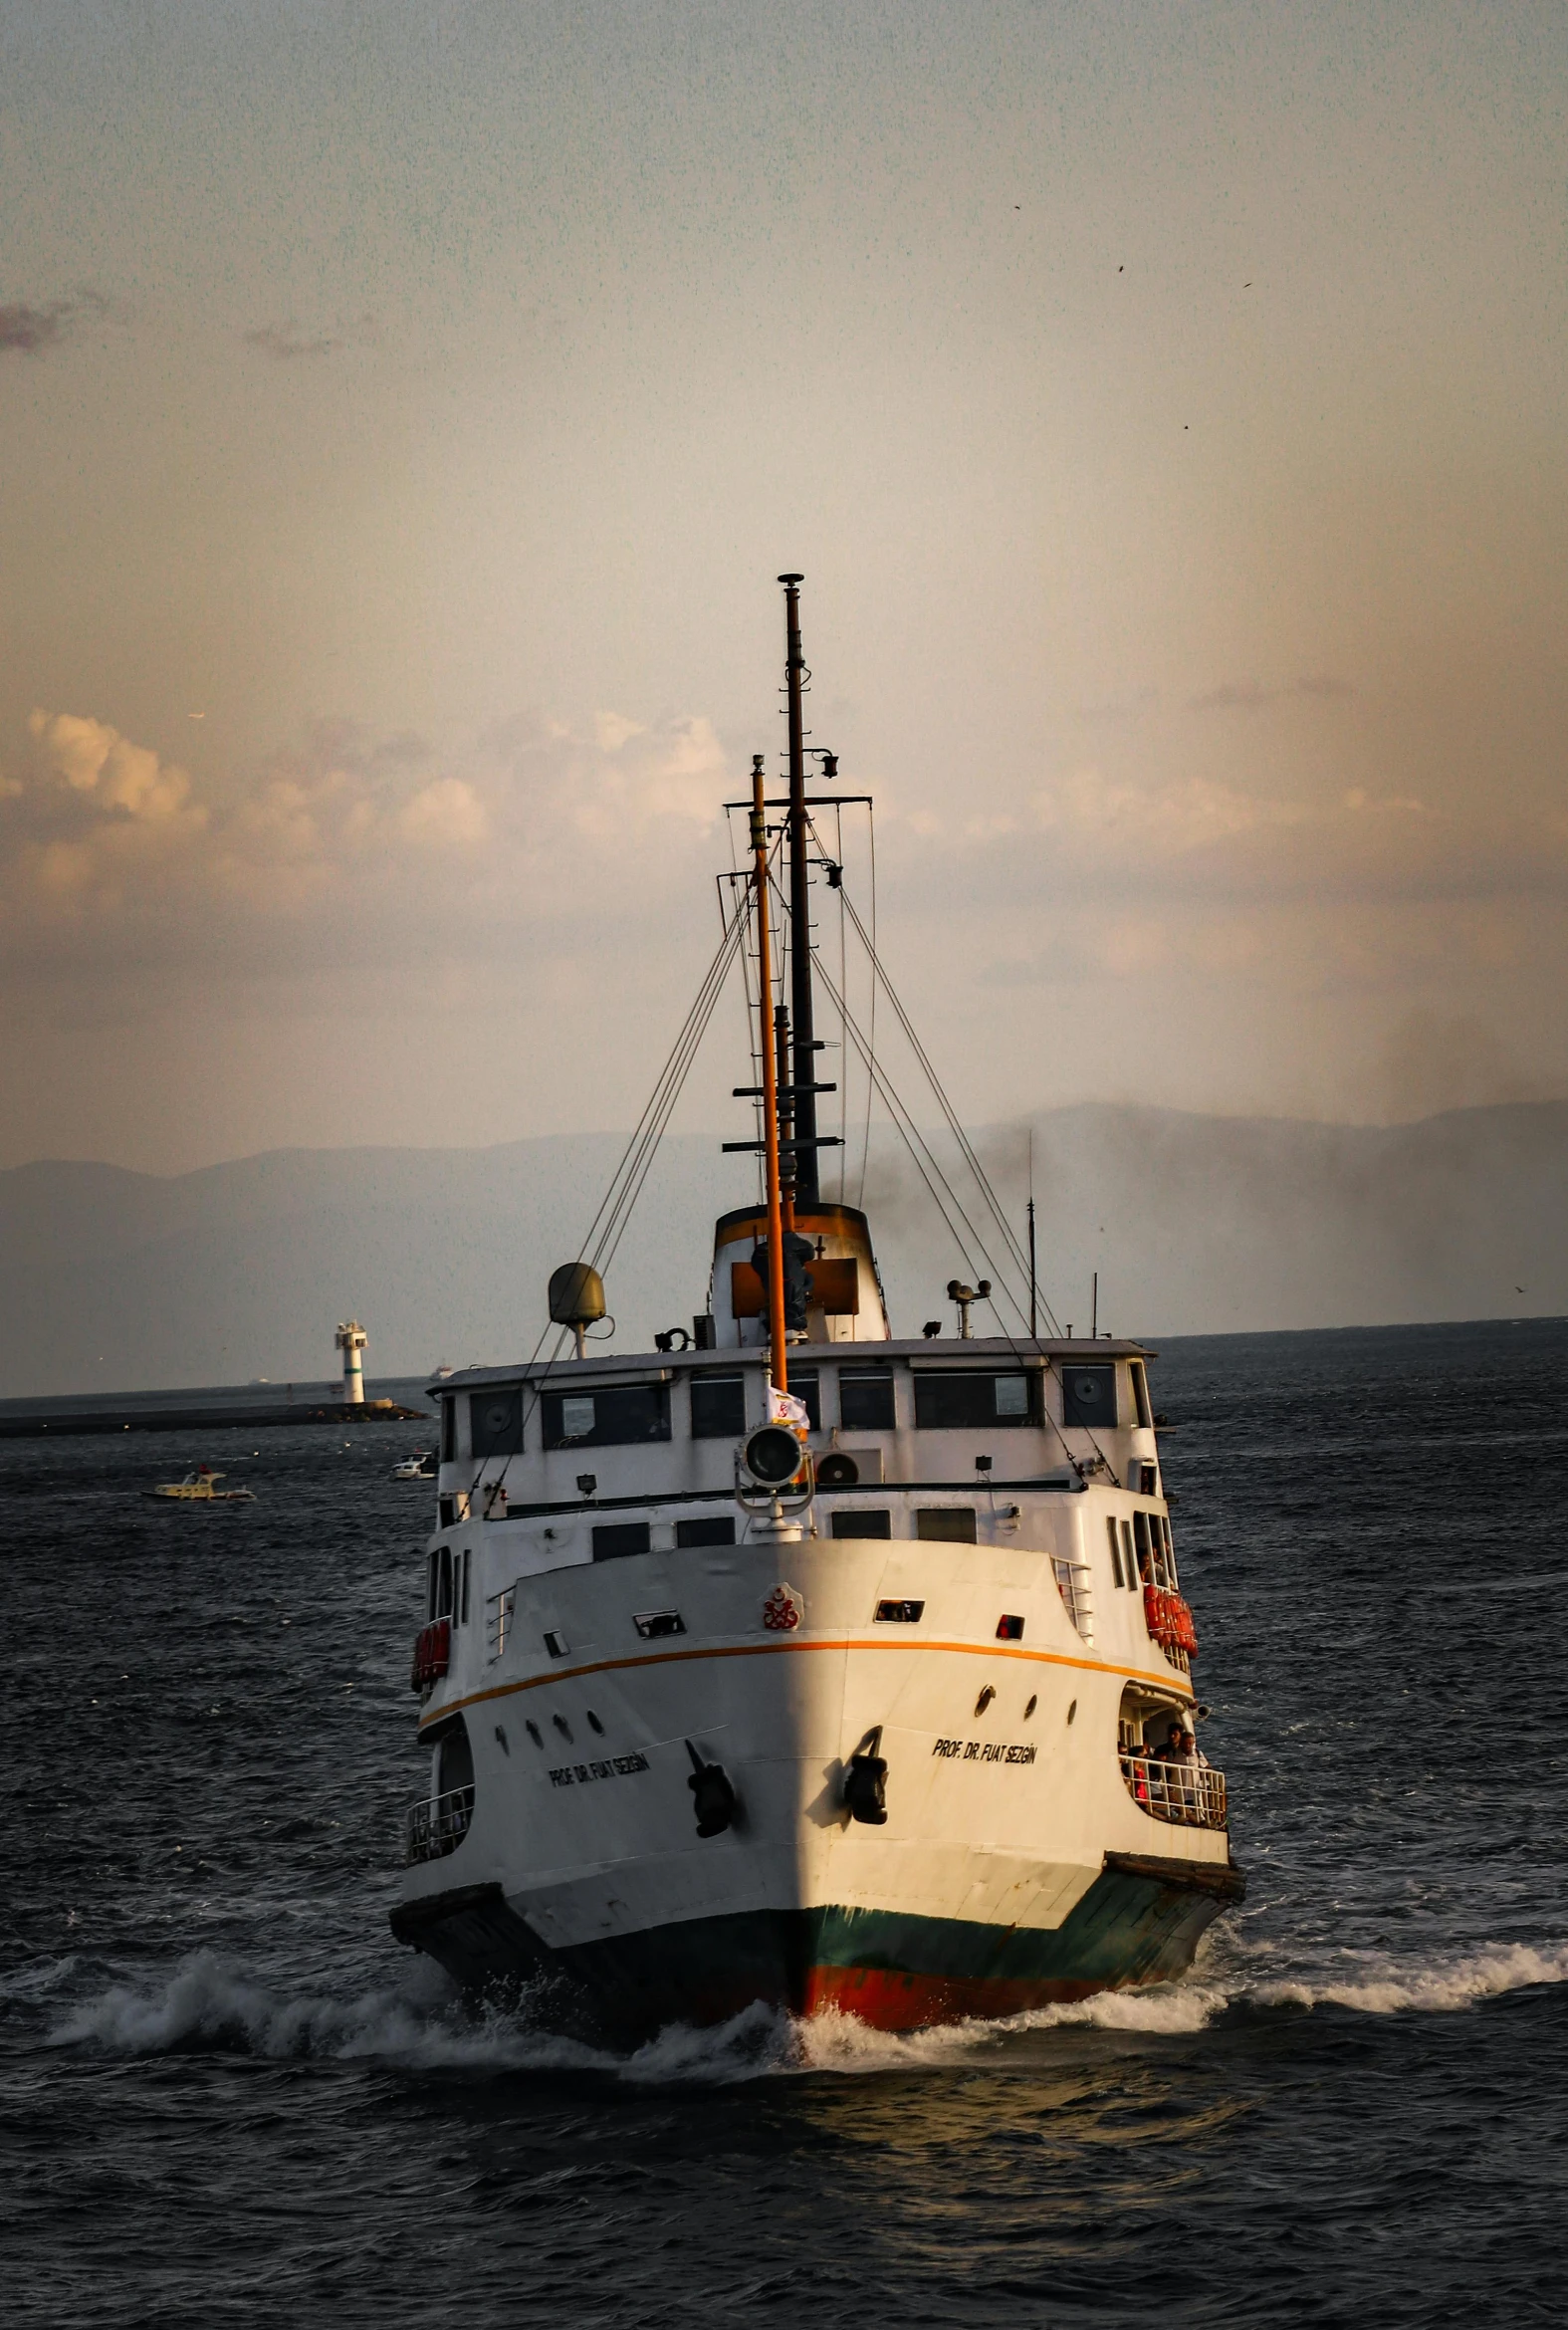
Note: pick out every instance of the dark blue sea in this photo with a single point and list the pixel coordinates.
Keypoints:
(227, 2097)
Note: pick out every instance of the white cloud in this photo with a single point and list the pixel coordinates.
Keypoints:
(448, 814)
(93, 757)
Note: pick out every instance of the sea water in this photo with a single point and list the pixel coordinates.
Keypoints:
(228, 2097)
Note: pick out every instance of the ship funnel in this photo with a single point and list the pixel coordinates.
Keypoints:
(577, 1299)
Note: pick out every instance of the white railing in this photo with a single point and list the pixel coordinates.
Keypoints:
(497, 1621)
(1193, 1794)
(437, 1825)
(1074, 1585)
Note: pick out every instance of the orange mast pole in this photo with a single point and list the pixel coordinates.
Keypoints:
(778, 1367)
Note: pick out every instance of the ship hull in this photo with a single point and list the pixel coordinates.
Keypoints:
(1012, 1867)
(896, 1971)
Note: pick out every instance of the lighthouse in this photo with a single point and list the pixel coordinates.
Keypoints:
(350, 1341)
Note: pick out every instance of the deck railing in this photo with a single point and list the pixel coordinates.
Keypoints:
(1192, 1795)
(437, 1825)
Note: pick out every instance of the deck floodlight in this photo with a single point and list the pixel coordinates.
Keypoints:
(772, 1455)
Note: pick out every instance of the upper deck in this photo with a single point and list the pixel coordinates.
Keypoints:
(985, 1412)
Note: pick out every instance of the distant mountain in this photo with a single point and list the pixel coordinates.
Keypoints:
(114, 1280)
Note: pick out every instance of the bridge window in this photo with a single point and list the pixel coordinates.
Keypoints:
(495, 1423)
(718, 1406)
(1089, 1397)
(613, 1417)
(865, 1399)
(970, 1399)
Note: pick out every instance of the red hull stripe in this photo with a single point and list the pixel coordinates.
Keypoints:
(889, 2001)
(794, 1648)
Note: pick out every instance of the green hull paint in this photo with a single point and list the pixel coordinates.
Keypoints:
(1137, 1923)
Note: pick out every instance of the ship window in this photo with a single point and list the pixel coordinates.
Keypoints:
(448, 1431)
(1126, 1554)
(863, 1524)
(614, 1417)
(495, 1423)
(718, 1406)
(806, 1384)
(1139, 1389)
(1088, 1396)
(945, 1525)
(899, 1613)
(971, 1398)
(1141, 1533)
(865, 1399)
(443, 1602)
(653, 1625)
(1116, 1549)
(614, 1541)
(463, 1612)
(706, 1530)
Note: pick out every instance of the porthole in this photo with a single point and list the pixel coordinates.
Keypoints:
(984, 1699)
(534, 1732)
(594, 1725)
(1034, 1704)
(1072, 1711)
(561, 1726)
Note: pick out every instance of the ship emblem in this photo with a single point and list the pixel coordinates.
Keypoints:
(784, 1610)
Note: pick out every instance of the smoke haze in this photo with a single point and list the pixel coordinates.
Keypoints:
(114, 1281)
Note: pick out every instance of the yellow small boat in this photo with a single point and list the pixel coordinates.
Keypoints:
(201, 1488)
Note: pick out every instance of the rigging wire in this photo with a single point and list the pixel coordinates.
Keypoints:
(955, 1126)
(865, 1143)
(938, 1185)
(609, 1225)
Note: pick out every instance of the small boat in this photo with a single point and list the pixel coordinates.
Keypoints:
(421, 1466)
(201, 1488)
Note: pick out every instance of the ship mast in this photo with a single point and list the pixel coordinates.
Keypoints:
(779, 1365)
(802, 1130)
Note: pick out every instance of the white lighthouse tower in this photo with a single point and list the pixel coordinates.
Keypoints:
(350, 1341)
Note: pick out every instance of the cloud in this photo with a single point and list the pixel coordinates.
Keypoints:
(26, 329)
(288, 340)
(350, 846)
(93, 757)
(1251, 695)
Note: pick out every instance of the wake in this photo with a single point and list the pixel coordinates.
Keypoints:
(209, 2003)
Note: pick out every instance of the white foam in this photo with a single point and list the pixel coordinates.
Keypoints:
(1431, 1989)
(421, 2026)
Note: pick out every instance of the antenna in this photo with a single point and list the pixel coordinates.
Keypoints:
(1094, 1309)
(802, 1133)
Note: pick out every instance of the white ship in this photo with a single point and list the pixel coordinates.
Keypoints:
(795, 1660)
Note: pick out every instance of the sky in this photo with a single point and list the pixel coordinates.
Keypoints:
(404, 414)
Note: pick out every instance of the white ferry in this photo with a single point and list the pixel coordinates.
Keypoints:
(796, 1660)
